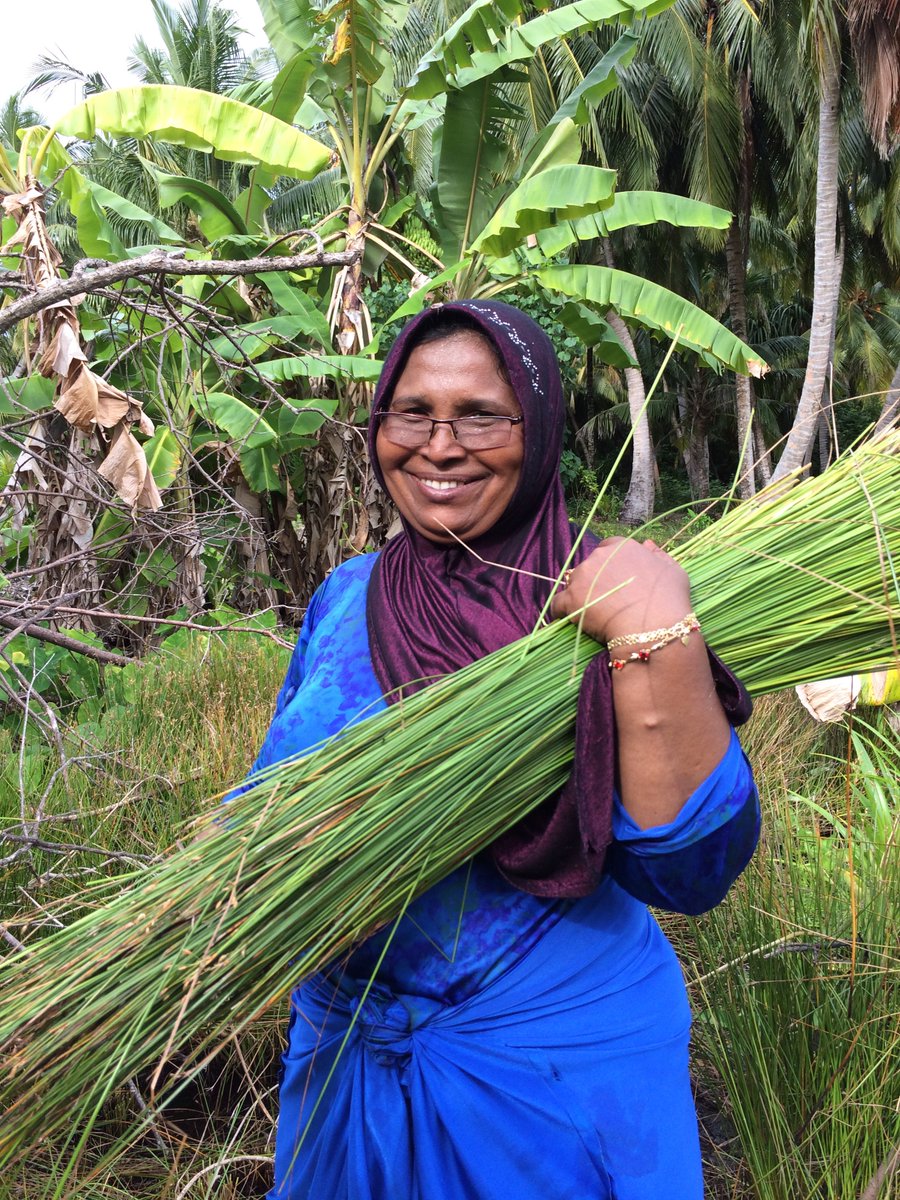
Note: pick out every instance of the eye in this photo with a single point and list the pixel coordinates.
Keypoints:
(411, 409)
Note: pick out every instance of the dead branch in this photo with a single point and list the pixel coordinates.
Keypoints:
(67, 643)
(86, 276)
(13, 941)
(24, 702)
(886, 1170)
(30, 841)
(108, 614)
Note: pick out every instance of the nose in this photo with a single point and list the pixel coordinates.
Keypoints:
(442, 445)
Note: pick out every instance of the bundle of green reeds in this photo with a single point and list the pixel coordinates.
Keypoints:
(328, 847)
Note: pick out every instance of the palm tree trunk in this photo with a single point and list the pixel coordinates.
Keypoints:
(826, 425)
(825, 279)
(763, 453)
(736, 254)
(890, 412)
(692, 434)
(637, 507)
(737, 274)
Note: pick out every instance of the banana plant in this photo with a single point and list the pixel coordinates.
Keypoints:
(378, 81)
(550, 205)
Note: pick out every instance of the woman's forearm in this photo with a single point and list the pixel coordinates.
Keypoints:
(671, 730)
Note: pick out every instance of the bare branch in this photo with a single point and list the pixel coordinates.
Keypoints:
(67, 643)
(13, 941)
(39, 843)
(64, 609)
(88, 277)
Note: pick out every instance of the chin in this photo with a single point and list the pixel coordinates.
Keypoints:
(439, 534)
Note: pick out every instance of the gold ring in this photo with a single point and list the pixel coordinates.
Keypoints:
(566, 577)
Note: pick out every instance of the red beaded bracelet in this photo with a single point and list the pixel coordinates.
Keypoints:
(681, 630)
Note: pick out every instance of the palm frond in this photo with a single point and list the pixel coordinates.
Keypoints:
(302, 204)
(52, 72)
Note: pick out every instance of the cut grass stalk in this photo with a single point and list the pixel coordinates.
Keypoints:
(328, 847)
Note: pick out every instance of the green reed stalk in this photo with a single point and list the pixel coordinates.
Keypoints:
(327, 847)
(801, 1025)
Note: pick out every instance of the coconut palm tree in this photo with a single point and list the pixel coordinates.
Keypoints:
(200, 49)
(691, 117)
(825, 42)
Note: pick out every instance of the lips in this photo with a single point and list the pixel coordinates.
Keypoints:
(437, 488)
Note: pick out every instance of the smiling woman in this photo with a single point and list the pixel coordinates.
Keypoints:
(458, 482)
(522, 1029)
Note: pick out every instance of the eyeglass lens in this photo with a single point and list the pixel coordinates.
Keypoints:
(475, 433)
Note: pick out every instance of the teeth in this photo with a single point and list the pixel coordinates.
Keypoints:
(442, 485)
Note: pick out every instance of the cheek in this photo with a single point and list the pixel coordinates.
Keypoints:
(387, 456)
(513, 468)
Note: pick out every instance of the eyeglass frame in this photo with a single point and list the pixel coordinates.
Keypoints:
(452, 422)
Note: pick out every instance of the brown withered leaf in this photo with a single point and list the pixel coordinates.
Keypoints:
(63, 349)
(114, 406)
(76, 524)
(125, 467)
(77, 400)
(18, 239)
(86, 400)
(144, 424)
(16, 205)
(149, 500)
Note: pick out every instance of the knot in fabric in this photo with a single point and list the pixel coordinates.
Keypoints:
(385, 1027)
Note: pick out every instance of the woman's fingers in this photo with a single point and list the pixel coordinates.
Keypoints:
(622, 583)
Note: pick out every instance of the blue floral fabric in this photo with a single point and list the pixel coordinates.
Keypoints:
(608, 996)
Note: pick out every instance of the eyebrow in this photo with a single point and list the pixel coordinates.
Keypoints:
(499, 406)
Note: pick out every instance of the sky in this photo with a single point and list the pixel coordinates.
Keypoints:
(95, 35)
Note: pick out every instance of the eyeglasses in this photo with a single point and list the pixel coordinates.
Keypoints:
(474, 433)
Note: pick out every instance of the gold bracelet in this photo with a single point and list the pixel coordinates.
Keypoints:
(658, 637)
(676, 630)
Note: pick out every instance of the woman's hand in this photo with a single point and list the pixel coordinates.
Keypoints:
(629, 587)
(671, 730)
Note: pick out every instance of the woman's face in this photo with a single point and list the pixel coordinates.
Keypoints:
(442, 486)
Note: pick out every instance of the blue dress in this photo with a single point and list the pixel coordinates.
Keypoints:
(491, 1043)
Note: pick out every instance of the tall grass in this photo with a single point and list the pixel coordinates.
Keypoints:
(166, 735)
(201, 941)
(796, 983)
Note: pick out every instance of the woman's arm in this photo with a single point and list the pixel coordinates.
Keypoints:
(671, 729)
(688, 865)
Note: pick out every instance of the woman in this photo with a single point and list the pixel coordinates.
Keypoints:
(522, 1030)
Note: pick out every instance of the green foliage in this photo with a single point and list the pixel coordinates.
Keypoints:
(563, 193)
(63, 678)
(654, 307)
(487, 38)
(201, 699)
(796, 973)
(232, 131)
(216, 216)
(470, 151)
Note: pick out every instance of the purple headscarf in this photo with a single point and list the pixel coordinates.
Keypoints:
(434, 608)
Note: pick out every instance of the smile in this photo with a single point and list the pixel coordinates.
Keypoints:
(443, 490)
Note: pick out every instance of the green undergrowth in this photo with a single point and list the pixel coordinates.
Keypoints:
(163, 735)
(794, 979)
